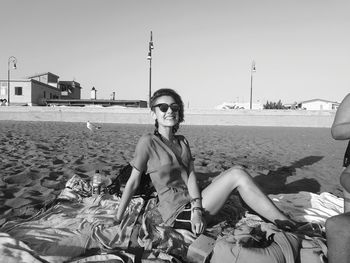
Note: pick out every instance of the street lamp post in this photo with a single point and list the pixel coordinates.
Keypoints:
(12, 60)
(149, 57)
(252, 70)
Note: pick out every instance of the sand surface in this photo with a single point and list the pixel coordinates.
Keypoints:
(37, 158)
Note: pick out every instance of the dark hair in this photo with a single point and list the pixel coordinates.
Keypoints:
(172, 93)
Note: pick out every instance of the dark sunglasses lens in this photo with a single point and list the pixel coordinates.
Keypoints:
(174, 107)
(163, 107)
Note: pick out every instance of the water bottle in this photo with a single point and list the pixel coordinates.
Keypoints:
(96, 183)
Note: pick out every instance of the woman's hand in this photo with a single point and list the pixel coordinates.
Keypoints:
(197, 222)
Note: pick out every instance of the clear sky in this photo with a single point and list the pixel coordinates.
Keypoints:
(203, 49)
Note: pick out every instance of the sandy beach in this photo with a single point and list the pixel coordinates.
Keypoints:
(37, 158)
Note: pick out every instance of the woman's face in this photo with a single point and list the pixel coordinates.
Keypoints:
(166, 111)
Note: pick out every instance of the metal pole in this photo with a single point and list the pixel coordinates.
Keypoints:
(14, 61)
(8, 84)
(251, 89)
(149, 57)
(150, 83)
(252, 70)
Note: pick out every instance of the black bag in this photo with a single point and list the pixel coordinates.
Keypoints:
(145, 189)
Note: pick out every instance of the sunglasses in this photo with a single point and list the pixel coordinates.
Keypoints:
(164, 107)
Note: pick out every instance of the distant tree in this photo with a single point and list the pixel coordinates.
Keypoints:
(274, 105)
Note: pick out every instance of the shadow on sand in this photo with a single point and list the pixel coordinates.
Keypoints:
(275, 181)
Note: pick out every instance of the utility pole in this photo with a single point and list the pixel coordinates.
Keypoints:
(252, 70)
(149, 57)
(12, 60)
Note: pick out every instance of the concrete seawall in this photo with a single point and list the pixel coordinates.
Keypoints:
(281, 118)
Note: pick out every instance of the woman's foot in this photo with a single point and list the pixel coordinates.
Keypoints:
(287, 225)
(305, 228)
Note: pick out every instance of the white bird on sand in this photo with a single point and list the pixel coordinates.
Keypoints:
(92, 127)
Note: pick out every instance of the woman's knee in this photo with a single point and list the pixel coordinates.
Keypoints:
(236, 166)
(237, 174)
(235, 170)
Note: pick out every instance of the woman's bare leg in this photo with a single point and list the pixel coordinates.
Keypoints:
(215, 195)
(346, 201)
(345, 182)
(338, 238)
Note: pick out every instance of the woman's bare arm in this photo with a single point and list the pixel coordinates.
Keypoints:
(193, 187)
(341, 125)
(130, 188)
(197, 220)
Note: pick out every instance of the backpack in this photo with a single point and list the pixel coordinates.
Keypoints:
(313, 250)
(283, 247)
(145, 189)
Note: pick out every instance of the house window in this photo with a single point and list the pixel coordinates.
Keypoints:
(44, 94)
(3, 91)
(63, 88)
(18, 91)
(3, 88)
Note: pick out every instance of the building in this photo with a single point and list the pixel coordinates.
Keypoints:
(318, 104)
(47, 78)
(70, 90)
(97, 102)
(238, 106)
(27, 92)
(45, 89)
(36, 89)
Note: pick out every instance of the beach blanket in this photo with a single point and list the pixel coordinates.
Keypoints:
(76, 225)
(234, 217)
(80, 228)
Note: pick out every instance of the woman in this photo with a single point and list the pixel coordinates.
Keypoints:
(168, 160)
(338, 227)
(341, 131)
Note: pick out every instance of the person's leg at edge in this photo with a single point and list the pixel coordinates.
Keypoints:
(345, 183)
(338, 238)
(346, 201)
(215, 195)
